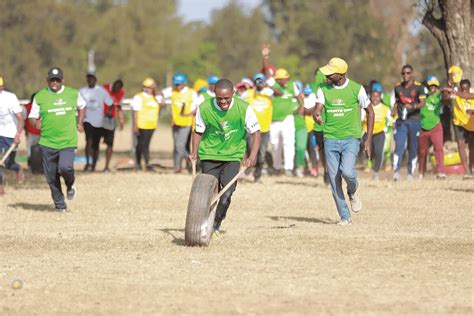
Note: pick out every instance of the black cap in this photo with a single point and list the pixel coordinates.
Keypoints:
(55, 72)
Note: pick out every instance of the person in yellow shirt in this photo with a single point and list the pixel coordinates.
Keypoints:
(381, 120)
(260, 99)
(184, 101)
(146, 107)
(463, 122)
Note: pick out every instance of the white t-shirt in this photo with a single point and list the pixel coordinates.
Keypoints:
(310, 101)
(137, 102)
(35, 110)
(251, 121)
(9, 107)
(364, 100)
(95, 99)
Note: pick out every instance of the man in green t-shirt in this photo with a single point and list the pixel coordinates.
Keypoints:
(431, 129)
(341, 99)
(54, 113)
(219, 139)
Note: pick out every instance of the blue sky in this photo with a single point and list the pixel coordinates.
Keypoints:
(192, 10)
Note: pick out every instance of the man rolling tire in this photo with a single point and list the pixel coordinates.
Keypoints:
(219, 139)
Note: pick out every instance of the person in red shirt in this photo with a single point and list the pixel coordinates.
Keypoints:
(111, 113)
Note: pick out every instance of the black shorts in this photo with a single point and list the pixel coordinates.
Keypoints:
(108, 136)
(319, 138)
(460, 133)
(93, 135)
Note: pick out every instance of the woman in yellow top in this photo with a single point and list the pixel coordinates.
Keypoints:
(381, 120)
(463, 121)
(260, 100)
(146, 108)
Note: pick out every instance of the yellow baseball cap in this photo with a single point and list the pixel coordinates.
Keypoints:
(335, 66)
(149, 83)
(456, 72)
(1, 81)
(281, 74)
(432, 81)
(199, 83)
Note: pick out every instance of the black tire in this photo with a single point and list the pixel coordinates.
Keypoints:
(200, 215)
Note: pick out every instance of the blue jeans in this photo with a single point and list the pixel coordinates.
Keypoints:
(406, 136)
(10, 164)
(341, 156)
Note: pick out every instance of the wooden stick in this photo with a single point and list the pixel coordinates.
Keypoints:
(9, 151)
(193, 163)
(218, 196)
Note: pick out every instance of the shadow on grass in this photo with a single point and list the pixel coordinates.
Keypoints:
(462, 190)
(312, 185)
(303, 219)
(176, 240)
(33, 207)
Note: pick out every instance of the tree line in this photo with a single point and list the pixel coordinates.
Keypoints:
(133, 39)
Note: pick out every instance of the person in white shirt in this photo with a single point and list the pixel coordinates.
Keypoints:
(96, 96)
(11, 126)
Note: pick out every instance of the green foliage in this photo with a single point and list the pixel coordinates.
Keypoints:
(315, 31)
(134, 39)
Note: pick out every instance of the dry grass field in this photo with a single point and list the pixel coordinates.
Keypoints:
(120, 249)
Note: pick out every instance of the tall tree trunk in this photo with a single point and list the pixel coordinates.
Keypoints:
(453, 31)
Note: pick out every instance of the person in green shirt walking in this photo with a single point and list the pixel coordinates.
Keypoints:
(341, 99)
(431, 129)
(54, 113)
(219, 140)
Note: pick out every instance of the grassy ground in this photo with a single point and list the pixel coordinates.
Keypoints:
(120, 250)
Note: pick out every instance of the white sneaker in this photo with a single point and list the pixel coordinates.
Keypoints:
(356, 203)
(441, 176)
(344, 222)
(288, 173)
(409, 178)
(71, 193)
(396, 176)
(299, 173)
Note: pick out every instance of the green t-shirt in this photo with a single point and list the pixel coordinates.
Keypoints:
(283, 104)
(342, 113)
(58, 118)
(299, 119)
(386, 100)
(224, 138)
(429, 114)
(319, 79)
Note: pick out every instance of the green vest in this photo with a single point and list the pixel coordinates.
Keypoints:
(225, 136)
(58, 118)
(283, 105)
(342, 111)
(429, 114)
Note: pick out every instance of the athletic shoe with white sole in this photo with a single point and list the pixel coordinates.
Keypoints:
(396, 176)
(356, 203)
(71, 193)
(344, 222)
(61, 210)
